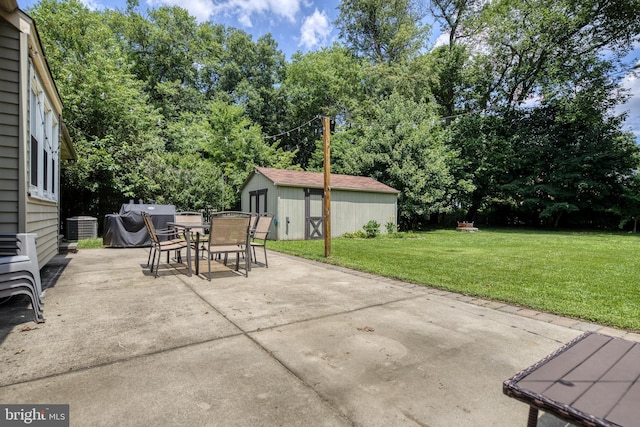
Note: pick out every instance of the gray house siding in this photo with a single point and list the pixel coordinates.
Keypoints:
(43, 219)
(26, 207)
(9, 126)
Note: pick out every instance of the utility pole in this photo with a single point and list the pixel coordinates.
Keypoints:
(326, 140)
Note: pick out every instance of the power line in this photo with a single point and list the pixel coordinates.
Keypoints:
(297, 128)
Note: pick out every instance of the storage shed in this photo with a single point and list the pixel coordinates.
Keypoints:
(33, 138)
(296, 199)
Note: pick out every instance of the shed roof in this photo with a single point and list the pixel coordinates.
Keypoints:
(293, 178)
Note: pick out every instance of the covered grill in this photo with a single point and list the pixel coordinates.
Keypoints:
(127, 230)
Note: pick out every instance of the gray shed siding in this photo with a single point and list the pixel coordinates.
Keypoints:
(259, 182)
(350, 210)
(291, 207)
(9, 127)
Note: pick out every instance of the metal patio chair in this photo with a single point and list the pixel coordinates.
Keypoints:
(261, 232)
(229, 234)
(173, 243)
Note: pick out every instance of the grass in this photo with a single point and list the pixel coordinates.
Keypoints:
(586, 275)
(90, 243)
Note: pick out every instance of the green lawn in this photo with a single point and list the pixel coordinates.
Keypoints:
(588, 275)
(90, 243)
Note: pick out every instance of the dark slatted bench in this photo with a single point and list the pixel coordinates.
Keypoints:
(591, 381)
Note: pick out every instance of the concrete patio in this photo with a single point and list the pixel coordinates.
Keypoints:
(295, 344)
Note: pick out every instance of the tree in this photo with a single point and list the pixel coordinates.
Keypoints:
(113, 127)
(454, 17)
(526, 46)
(628, 207)
(449, 61)
(573, 159)
(563, 159)
(404, 147)
(565, 154)
(226, 141)
(259, 70)
(542, 53)
(164, 47)
(162, 107)
(486, 153)
(381, 31)
(326, 82)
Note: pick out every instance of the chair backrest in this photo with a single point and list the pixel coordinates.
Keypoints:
(254, 220)
(190, 218)
(229, 229)
(150, 227)
(229, 213)
(263, 226)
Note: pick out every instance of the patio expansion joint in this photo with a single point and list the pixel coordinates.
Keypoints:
(121, 360)
(270, 353)
(339, 313)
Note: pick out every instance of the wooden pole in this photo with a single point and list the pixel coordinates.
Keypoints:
(326, 140)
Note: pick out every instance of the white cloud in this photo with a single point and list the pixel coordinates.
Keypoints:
(315, 30)
(244, 9)
(93, 4)
(202, 10)
(632, 107)
(241, 10)
(442, 40)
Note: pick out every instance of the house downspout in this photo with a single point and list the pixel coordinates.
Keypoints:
(23, 134)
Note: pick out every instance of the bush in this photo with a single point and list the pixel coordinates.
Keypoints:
(390, 226)
(372, 229)
(355, 235)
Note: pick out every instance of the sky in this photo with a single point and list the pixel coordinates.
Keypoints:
(632, 107)
(307, 25)
(297, 25)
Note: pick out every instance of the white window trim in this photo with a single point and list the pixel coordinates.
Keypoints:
(44, 127)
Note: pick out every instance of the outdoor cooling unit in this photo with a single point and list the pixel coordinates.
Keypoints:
(82, 227)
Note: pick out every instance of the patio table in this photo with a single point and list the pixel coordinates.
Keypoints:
(591, 381)
(188, 230)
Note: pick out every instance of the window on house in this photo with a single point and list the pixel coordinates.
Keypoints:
(258, 201)
(44, 149)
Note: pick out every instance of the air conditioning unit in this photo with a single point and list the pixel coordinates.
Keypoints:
(82, 227)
